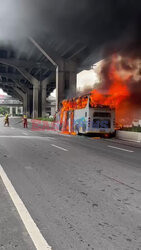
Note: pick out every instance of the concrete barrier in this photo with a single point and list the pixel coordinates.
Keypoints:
(128, 136)
(38, 125)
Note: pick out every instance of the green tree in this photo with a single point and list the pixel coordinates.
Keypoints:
(4, 110)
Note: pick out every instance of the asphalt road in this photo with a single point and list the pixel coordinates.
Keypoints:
(82, 193)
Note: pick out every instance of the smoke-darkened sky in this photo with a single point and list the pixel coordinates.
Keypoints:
(92, 21)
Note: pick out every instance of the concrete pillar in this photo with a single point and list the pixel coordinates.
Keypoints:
(21, 110)
(44, 87)
(35, 100)
(52, 110)
(35, 84)
(29, 92)
(17, 110)
(71, 68)
(72, 83)
(60, 85)
(11, 111)
(25, 103)
(40, 100)
(65, 81)
(29, 102)
(24, 98)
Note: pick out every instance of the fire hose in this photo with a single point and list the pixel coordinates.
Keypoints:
(17, 122)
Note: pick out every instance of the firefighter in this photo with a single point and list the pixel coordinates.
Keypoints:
(6, 122)
(25, 121)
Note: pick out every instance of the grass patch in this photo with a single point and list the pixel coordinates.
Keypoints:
(132, 129)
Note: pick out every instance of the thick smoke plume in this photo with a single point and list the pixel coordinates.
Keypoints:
(95, 23)
(127, 67)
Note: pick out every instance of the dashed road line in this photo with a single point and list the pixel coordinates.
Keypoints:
(122, 149)
(34, 232)
(59, 147)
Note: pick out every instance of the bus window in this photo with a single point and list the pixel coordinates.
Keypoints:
(97, 123)
(101, 114)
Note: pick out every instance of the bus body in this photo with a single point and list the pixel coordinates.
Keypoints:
(88, 120)
(94, 120)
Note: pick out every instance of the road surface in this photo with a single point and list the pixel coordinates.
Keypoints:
(82, 193)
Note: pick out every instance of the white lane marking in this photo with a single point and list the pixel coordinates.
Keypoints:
(36, 236)
(59, 147)
(123, 149)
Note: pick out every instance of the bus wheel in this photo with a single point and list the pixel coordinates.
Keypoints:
(77, 132)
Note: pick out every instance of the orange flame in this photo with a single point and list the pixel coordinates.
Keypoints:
(115, 95)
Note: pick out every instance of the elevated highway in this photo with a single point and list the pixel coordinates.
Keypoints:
(46, 44)
(10, 102)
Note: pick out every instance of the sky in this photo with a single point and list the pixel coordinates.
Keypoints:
(2, 93)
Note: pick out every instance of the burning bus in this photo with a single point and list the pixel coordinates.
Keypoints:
(118, 92)
(82, 116)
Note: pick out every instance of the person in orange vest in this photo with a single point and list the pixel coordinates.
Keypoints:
(25, 121)
(6, 121)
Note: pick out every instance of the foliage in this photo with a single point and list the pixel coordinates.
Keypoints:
(4, 110)
(49, 119)
(18, 114)
(132, 129)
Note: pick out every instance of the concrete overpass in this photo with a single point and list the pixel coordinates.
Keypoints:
(10, 102)
(56, 41)
(15, 106)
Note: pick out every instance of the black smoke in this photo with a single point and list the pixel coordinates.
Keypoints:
(96, 23)
(129, 64)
